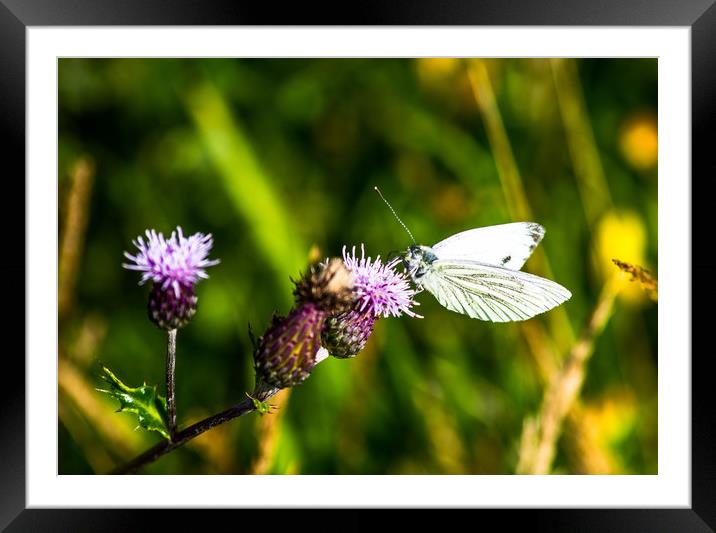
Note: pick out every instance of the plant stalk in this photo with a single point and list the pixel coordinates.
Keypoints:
(171, 370)
(540, 434)
(182, 437)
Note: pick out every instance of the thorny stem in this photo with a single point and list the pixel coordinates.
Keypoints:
(171, 368)
(261, 394)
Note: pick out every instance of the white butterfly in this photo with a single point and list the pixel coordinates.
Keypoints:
(477, 272)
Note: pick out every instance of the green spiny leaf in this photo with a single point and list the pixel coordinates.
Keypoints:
(150, 408)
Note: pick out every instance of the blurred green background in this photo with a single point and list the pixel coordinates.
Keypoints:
(278, 159)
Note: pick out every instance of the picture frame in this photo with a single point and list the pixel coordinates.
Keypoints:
(17, 15)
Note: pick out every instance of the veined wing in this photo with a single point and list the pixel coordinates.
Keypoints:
(489, 292)
(506, 245)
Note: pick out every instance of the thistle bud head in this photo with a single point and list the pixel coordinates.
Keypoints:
(169, 311)
(346, 334)
(289, 350)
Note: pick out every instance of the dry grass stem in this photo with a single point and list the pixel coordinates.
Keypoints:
(75, 225)
(542, 349)
(583, 150)
(540, 435)
(513, 188)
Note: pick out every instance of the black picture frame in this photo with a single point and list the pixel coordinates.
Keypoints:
(17, 15)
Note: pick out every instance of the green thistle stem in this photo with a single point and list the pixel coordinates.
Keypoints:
(261, 394)
(171, 370)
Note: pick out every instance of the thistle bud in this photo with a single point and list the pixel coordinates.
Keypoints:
(286, 353)
(169, 311)
(346, 334)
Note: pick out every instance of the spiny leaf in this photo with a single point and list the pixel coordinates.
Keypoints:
(150, 408)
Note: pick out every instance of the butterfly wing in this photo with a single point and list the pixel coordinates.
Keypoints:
(490, 292)
(507, 245)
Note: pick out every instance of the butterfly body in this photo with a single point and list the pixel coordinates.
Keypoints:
(477, 273)
(417, 261)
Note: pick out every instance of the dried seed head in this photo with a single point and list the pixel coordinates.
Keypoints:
(328, 285)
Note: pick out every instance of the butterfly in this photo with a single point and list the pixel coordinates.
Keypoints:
(477, 272)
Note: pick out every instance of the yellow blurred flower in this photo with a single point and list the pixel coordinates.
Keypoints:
(431, 69)
(446, 79)
(606, 423)
(621, 235)
(639, 141)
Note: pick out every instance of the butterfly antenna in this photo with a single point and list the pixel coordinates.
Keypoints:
(395, 214)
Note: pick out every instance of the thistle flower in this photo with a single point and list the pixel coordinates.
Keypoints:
(380, 291)
(378, 287)
(174, 266)
(291, 347)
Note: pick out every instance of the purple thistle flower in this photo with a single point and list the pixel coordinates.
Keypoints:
(176, 263)
(172, 262)
(378, 287)
(379, 291)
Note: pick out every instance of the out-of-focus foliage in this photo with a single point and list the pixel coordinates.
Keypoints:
(276, 157)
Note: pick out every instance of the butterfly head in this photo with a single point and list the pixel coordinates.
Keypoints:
(417, 260)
